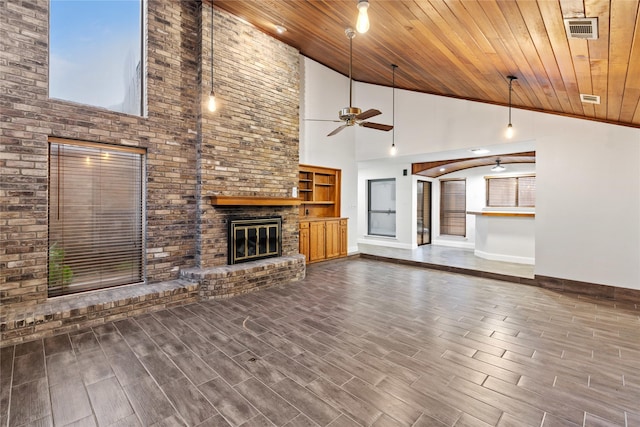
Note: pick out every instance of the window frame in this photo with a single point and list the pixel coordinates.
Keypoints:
(443, 212)
(370, 211)
(143, 65)
(141, 216)
(517, 190)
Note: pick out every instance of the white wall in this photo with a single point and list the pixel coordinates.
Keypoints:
(588, 208)
(588, 173)
(324, 93)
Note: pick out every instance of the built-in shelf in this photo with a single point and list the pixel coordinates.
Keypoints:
(319, 191)
(217, 200)
(323, 234)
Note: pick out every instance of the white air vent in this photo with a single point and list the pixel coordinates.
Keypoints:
(582, 28)
(589, 99)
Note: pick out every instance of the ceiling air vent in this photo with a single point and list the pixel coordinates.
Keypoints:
(589, 99)
(582, 28)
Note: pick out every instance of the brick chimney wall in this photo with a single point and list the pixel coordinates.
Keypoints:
(248, 147)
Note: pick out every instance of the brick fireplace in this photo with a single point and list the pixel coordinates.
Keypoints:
(225, 278)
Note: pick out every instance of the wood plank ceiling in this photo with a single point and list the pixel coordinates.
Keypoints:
(467, 48)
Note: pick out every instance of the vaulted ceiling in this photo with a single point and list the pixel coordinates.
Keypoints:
(467, 48)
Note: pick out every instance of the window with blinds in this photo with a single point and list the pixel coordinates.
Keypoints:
(96, 216)
(517, 191)
(453, 207)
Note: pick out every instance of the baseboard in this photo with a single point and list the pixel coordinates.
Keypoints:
(588, 289)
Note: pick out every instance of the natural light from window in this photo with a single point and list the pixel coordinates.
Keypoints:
(95, 55)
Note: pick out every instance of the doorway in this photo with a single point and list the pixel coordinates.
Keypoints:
(423, 216)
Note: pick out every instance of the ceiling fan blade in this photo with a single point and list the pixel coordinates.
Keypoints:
(322, 120)
(338, 129)
(368, 114)
(377, 126)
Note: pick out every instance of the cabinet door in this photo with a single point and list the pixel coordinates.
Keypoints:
(316, 241)
(333, 238)
(304, 240)
(343, 237)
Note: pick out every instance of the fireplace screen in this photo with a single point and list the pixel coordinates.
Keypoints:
(254, 238)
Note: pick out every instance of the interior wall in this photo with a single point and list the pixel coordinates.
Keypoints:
(405, 204)
(249, 145)
(30, 117)
(476, 200)
(588, 173)
(319, 105)
(588, 209)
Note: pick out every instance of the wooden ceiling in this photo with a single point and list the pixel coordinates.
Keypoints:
(467, 48)
(435, 169)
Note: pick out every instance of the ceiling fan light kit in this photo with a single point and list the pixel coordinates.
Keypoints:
(352, 115)
(498, 167)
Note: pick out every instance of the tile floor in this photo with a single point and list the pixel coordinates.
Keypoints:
(451, 257)
(358, 342)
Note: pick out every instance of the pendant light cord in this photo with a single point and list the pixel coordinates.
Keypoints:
(211, 36)
(511, 79)
(350, 35)
(510, 82)
(393, 106)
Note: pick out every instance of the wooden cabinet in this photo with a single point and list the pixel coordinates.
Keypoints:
(323, 238)
(317, 246)
(304, 240)
(323, 234)
(343, 237)
(332, 238)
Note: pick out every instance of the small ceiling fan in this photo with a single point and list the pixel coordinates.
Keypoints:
(353, 115)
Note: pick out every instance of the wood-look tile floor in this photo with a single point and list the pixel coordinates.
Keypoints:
(358, 342)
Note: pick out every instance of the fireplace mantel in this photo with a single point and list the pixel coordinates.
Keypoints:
(218, 200)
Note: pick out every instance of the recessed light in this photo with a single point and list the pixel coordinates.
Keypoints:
(479, 151)
(280, 29)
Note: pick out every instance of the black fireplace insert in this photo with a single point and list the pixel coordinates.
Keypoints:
(251, 239)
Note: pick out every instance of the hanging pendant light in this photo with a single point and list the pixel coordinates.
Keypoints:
(212, 96)
(509, 131)
(498, 167)
(393, 150)
(363, 19)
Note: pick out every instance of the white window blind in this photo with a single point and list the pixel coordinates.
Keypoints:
(517, 191)
(95, 217)
(453, 207)
(527, 191)
(502, 192)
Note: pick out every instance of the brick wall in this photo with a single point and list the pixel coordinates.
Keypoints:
(249, 146)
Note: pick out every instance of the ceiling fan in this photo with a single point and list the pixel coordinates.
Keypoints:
(353, 115)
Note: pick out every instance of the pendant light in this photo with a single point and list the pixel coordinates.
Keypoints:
(509, 131)
(363, 19)
(393, 150)
(212, 95)
(498, 167)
